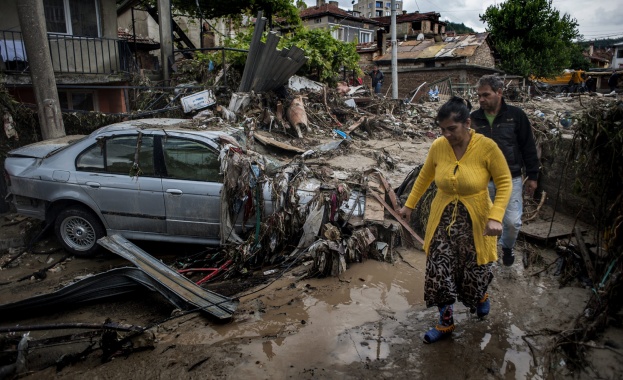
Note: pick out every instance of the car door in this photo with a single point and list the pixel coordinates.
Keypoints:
(128, 196)
(192, 187)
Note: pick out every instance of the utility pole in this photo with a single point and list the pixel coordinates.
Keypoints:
(166, 36)
(394, 53)
(34, 30)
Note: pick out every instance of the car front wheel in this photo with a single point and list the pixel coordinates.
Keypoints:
(78, 231)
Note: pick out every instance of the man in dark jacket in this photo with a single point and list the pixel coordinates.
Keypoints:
(510, 128)
(377, 79)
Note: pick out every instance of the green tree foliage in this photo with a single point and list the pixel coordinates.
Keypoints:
(458, 28)
(234, 8)
(326, 54)
(578, 60)
(531, 36)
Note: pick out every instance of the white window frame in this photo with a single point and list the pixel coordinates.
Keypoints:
(68, 25)
(361, 37)
(337, 33)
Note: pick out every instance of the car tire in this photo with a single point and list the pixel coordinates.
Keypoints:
(78, 230)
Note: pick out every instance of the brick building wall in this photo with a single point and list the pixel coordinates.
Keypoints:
(410, 78)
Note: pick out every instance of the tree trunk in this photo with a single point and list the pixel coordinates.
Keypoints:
(34, 30)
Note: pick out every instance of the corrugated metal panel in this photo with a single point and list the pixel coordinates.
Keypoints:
(431, 51)
(467, 51)
(171, 281)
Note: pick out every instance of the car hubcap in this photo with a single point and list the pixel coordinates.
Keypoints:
(78, 233)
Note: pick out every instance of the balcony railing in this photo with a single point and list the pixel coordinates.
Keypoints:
(70, 54)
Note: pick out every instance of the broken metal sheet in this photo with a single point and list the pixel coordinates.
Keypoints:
(311, 227)
(330, 146)
(114, 282)
(297, 83)
(466, 51)
(431, 51)
(215, 304)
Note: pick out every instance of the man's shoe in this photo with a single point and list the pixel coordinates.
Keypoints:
(508, 257)
(483, 306)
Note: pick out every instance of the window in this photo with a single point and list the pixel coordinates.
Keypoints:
(116, 155)
(369, 14)
(337, 33)
(620, 53)
(388, 5)
(364, 37)
(71, 100)
(388, 13)
(191, 160)
(73, 17)
(379, 4)
(379, 13)
(317, 20)
(369, 5)
(82, 101)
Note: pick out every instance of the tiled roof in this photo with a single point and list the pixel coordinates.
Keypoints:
(464, 45)
(124, 34)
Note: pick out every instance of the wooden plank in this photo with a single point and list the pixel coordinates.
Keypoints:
(355, 125)
(399, 218)
(277, 144)
(541, 229)
(374, 211)
(585, 255)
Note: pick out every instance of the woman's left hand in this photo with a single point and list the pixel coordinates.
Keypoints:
(493, 228)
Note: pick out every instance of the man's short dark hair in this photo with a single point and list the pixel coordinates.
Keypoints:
(492, 80)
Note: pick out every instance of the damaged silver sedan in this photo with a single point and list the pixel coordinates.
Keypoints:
(152, 179)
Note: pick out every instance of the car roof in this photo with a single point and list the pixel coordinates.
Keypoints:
(188, 126)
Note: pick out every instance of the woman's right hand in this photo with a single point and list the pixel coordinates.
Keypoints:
(405, 212)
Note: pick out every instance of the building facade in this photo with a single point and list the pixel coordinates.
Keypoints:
(376, 8)
(90, 63)
(344, 25)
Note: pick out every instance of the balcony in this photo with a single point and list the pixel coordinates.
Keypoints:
(70, 54)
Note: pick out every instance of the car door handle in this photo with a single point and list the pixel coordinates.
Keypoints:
(174, 191)
(94, 185)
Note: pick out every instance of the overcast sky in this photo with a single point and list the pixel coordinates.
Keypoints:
(596, 18)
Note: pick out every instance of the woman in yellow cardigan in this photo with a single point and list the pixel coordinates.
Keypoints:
(463, 225)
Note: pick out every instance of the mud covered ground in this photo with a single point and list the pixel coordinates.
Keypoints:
(368, 323)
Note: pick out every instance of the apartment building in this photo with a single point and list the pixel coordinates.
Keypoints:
(376, 8)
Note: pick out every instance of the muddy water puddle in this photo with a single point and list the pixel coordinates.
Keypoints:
(373, 314)
(319, 322)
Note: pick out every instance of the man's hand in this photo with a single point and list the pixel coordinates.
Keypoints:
(493, 228)
(405, 212)
(530, 187)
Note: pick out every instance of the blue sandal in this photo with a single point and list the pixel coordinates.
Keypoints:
(437, 333)
(483, 306)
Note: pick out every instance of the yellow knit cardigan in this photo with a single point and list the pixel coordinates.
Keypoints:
(466, 181)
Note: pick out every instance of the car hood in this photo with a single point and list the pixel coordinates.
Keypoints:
(45, 148)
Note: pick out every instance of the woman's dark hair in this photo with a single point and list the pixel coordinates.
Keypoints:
(457, 108)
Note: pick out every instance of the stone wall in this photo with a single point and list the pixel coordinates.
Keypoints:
(482, 56)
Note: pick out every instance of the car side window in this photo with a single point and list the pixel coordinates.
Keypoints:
(117, 154)
(190, 160)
